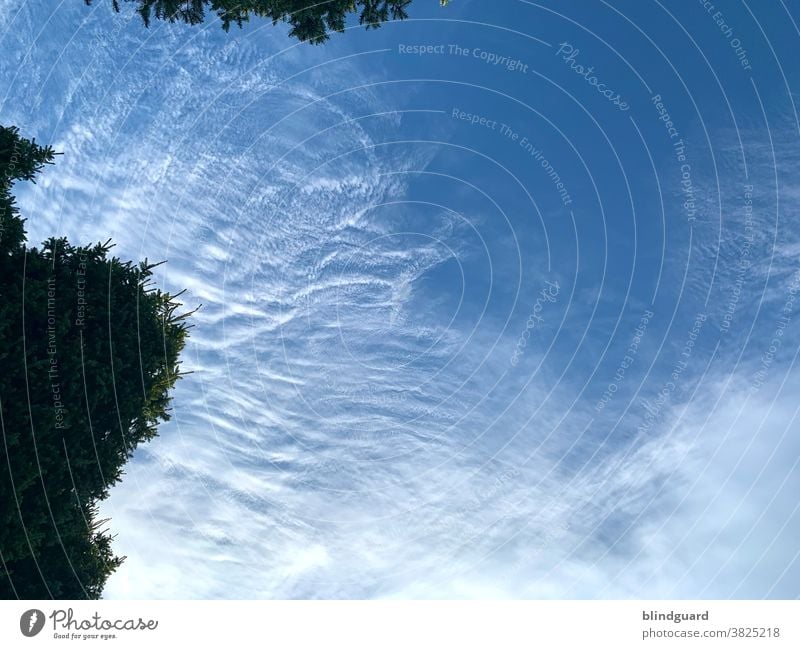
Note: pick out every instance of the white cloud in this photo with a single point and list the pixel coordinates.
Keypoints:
(340, 436)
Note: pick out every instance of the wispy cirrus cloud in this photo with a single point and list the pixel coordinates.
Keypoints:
(353, 425)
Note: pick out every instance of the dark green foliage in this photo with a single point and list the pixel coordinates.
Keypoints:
(20, 159)
(88, 354)
(311, 20)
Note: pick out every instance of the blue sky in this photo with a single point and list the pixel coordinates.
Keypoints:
(477, 321)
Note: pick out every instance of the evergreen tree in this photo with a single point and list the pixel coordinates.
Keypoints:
(88, 354)
(311, 20)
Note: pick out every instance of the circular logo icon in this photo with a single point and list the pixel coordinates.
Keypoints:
(31, 622)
